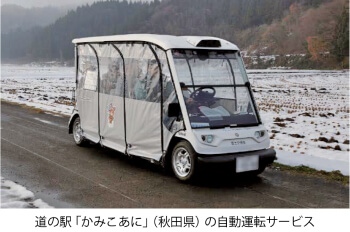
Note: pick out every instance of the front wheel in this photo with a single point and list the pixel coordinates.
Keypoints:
(77, 133)
(183, 161)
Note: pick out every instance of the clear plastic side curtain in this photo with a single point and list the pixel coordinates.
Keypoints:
(170, 126)
(139, 124)
(87, 90)
(142, 100)
(111, 70)
(87, 66)
(111, 101)
(142, 72)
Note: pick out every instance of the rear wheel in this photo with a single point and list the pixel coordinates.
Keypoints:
(77, 133)
(183, 161)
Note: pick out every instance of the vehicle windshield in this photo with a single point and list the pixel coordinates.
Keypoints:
(215, 87)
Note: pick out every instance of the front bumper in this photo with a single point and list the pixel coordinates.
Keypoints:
(266, 157)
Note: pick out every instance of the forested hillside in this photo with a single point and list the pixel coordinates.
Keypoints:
(262, 27)
(304, 37)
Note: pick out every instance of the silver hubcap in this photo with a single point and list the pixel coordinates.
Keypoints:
(182, 162)
(77, 132)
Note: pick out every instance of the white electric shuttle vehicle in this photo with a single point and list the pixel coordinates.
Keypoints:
(177, 100)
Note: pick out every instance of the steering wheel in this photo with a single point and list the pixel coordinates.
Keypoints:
(200, 95)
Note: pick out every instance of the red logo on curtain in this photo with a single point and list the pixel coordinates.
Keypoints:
(111, 112)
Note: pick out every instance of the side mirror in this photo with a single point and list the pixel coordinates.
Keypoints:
(174, 110)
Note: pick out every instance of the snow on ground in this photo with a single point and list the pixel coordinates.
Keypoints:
(46, 88)
(305, 111)
(16, 196)
(316, 162)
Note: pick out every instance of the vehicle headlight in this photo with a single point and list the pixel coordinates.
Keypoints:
(208, 138)
(259, 134)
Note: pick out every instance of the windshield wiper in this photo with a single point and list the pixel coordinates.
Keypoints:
(218, 126)
(222, 126)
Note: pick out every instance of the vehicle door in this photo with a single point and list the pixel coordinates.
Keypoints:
(87, 92)
(142, 101)
(111, 96)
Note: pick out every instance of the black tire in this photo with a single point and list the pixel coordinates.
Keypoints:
(183, 155)
(78, 139)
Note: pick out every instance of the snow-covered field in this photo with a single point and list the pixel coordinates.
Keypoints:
(16, 196)
(306, 111)
(46, 88)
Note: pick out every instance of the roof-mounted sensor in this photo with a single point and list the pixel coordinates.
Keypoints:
(207, 42)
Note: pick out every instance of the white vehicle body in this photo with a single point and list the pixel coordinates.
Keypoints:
(152, 72)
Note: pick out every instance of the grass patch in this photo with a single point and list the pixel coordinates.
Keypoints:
(23, 105)
(32, 108)
(334, 175)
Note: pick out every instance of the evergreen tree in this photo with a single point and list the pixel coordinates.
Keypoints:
(341, 38)
(221, 18)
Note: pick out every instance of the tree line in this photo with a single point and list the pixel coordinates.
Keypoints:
(221, 18)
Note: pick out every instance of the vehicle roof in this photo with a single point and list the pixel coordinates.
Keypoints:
(164, 41)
